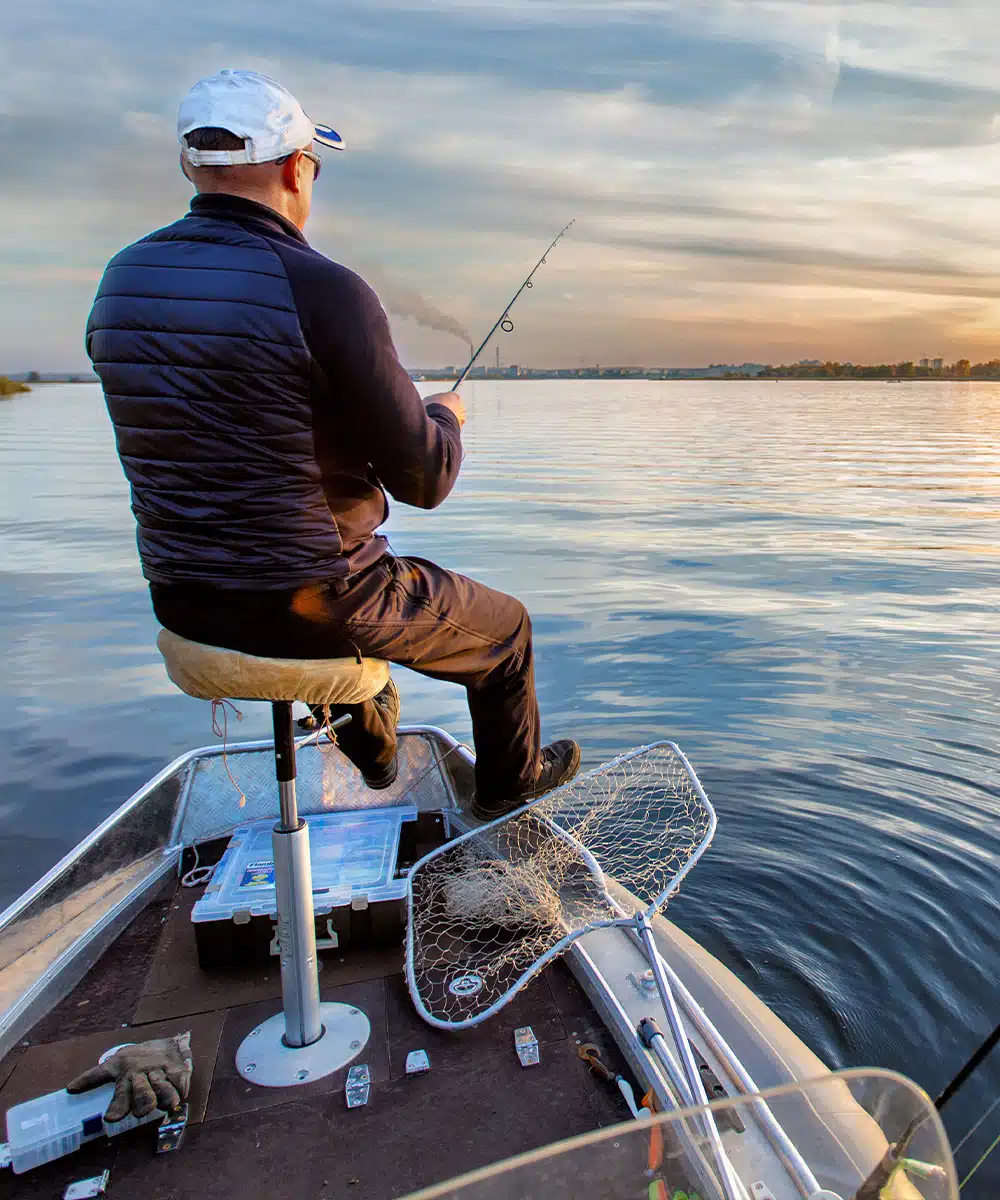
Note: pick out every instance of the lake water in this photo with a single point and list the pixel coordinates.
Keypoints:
(797, 582)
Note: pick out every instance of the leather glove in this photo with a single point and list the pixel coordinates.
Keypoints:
(147, 1075)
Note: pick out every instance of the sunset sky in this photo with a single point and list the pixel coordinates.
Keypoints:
(751, 180)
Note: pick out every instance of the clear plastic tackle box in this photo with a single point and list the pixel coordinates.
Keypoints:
(357, 895)
(50, 1126)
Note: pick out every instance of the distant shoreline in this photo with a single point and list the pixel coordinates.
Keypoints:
(542, 377)
(613, 375)
(35, 377)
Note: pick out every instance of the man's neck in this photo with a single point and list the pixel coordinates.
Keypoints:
(242, 208)
(276, 202)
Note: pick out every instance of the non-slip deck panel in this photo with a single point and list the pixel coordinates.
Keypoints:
(232, 1095)
(176, 985)
(475, 1106)
(413, 1132)
(51, 1066)
(325, 782)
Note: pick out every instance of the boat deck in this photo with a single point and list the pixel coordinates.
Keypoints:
(475, 1106)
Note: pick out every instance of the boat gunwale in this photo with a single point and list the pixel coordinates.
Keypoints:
(71, 964)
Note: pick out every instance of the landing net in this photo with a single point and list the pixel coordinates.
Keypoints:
(490, 909)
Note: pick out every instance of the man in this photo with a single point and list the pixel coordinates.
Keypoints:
(260, 410)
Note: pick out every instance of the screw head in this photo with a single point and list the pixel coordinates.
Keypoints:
(250, 1068)
(355, 1045)
(300, 1075)
(353, 1012)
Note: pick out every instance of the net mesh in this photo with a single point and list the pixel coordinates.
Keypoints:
(488, 910)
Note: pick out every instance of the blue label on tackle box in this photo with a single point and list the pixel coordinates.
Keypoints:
(258, 874)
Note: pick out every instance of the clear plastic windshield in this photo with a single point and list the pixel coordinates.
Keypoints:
(853, 1135)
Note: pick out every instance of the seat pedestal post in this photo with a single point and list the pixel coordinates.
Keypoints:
(308, 1039)
(293, 884)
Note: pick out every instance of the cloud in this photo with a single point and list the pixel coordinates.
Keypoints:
(735, 156)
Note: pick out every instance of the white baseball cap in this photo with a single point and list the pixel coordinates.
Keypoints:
(252, 107)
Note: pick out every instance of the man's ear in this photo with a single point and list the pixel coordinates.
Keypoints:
(184, 168)
(291, 170)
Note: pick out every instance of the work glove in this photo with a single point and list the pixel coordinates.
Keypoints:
(147, 1075)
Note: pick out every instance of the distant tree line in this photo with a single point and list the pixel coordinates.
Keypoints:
(962, 369)
(10, 387)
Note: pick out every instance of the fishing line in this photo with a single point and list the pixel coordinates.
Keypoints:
(982, 1120)
(503, 321)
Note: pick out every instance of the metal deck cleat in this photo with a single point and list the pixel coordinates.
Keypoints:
(526, 1045)
(417, 1062)
(171, 1130)
(358, 1086)
(84, 1189)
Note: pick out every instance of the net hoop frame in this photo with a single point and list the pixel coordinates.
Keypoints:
(624, 921)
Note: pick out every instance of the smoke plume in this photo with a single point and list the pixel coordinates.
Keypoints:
(405, 302)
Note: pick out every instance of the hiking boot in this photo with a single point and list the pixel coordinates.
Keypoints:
(384, 777)
(387, 702)
(560, 761)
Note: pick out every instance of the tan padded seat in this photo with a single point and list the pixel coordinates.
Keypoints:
(211, 673)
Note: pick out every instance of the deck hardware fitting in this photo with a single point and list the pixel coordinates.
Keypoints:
(417, 1062)
(644, 983)
(728, 1118)
(761, 1191)
(84, 1189)
(171, 1130)
(526, 1045)
(358, 1086)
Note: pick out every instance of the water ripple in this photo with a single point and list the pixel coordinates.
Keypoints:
(798, 583)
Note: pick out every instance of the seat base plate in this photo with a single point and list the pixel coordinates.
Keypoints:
(265, 1060)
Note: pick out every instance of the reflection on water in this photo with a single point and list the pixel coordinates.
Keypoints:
(798, 582)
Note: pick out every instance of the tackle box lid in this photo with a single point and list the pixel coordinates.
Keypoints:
(353, 855)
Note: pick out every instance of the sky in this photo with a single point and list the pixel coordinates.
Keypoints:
(752, 180)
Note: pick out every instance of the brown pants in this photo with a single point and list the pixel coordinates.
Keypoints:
(405, 610)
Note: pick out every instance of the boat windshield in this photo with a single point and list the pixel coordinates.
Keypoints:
(852, 1135)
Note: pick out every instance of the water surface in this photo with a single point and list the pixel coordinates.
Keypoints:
(797, 582)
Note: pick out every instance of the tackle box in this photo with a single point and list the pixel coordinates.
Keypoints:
(359, 894)
(46, 1128)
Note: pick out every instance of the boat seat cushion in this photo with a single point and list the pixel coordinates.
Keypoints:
(211, 673)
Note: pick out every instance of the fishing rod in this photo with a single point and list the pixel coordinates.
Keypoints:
(503, 321)
(894, 1157)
